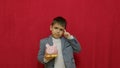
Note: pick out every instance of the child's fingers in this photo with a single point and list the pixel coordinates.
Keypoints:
(65, 30)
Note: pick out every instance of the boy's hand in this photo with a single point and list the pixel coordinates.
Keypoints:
(48, 58)
(67, 34)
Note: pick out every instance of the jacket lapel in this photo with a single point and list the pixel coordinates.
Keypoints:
(62, 43)
(50, 41)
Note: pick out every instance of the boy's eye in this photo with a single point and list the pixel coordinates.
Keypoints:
(61, 29)
(58, 28)
(55, 28)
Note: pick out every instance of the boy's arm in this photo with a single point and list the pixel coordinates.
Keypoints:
(75, 44)
(73, 41)
(41, 54)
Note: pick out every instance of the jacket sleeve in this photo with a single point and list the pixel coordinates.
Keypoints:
(41, 52)
(75, 44)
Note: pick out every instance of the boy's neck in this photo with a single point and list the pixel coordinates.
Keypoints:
(55, 38)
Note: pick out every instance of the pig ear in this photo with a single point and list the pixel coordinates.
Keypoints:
(47, 45)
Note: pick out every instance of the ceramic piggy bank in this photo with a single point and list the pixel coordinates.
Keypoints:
(51, 51)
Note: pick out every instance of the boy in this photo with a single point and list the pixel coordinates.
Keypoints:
(66, 45)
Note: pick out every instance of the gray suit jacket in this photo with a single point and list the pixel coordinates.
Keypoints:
(68, 47)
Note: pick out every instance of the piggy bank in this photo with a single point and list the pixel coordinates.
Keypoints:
(51, 51)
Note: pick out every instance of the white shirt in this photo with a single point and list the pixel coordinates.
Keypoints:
(59, 62)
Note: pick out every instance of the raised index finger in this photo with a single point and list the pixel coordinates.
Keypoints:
(65, 30)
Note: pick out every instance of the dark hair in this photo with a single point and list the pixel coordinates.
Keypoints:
(60, 20)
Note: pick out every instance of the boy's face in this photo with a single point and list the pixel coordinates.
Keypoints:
(57, 30)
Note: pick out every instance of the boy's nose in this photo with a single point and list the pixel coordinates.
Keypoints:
(58, 31)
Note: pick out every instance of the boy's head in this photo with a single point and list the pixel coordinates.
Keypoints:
(58, 26)
(59, 20)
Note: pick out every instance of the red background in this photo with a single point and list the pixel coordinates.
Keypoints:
(96, 24)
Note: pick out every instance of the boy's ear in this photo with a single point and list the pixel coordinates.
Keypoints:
(50, 27)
